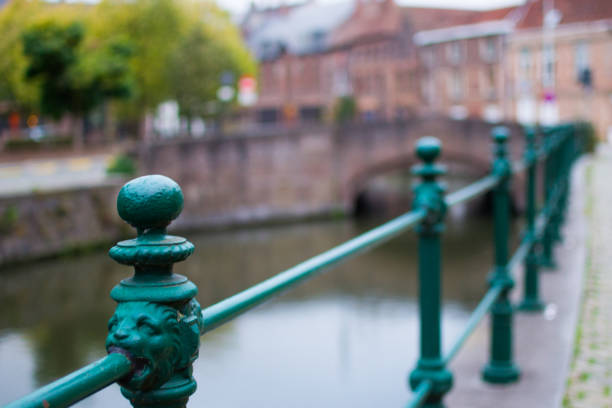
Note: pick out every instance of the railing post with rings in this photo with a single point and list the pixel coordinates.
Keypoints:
(531, 297)
(157, 323)
(429, 195)
(546, 255)
(566, 158)
(501, 367)
(558, 181)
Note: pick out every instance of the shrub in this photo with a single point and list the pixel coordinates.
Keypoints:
(122, 164)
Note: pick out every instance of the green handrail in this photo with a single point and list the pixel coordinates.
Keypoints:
(227, 309)
(477, 315)
(472, 190)
(156, 303)
(77, 385)
(420, 394)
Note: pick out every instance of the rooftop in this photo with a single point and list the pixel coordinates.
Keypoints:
(571, 11)
(299, 30)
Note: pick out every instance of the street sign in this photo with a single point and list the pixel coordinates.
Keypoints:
(247, 90)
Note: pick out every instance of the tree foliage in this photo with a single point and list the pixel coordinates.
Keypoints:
(68, 57)
(74, 78)
(212, 46)
(14, 17)
(345, 109)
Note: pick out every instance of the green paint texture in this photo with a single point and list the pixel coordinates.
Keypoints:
(429, 196)
(158, 322)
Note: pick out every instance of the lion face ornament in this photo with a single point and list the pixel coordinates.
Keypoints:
(158, 338)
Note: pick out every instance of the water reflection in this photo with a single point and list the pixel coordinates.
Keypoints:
(347, 338)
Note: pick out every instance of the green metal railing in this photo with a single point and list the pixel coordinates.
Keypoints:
(155, 332)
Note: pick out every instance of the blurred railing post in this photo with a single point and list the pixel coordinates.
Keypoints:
(567, 168)
(557, 183)
(157, 322)
(531, 298)
(546, 256)
(429, 195)
(501, 367)
(563, 177)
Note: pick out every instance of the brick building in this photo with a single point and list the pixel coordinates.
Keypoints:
(462, 66)
(398, 62)
(560, 62)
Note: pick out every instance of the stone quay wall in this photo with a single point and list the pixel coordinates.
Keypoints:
(42, 224)
(263, 177)
(310, 171)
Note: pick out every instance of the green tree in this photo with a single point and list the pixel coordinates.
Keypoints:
(212, 46)
(69, 58)
(74, 76)
(345, 109)
(155, 28)
(14, 89)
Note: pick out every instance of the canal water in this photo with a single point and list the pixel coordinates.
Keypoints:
(346, 338)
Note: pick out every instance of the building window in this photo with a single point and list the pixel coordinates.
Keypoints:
(427, 89)
(581, 58)
(428, 56)
(525, 62)
(455, 85)
(454, 52)
(488, 49)
(548, 66)
(488, 86)
(404, 80)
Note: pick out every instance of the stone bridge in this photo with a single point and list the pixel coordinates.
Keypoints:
(306, 172)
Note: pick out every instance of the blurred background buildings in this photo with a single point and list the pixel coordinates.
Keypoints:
(544, 61)
(202, 71)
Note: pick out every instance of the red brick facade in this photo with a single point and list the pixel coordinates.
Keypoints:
(400, 62)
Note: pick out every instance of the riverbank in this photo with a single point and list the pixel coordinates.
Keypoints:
(47, 224)
(38, 225)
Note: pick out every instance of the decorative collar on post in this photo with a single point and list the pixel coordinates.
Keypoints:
(157, 322)
(530, 151)
(149, 204)
(429, 194)
(501, 164)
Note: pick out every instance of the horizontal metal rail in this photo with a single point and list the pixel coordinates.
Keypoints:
(520, 253)
(420, 394)
(77, 385)
(481, 311)
(429, 389)
(226, 310)
(473, 190)
(491, 296)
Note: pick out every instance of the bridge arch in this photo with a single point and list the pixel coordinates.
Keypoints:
(462, 163)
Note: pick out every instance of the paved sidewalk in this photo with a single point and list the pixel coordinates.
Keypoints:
(543, 342)
(590, 381)
(54, 173)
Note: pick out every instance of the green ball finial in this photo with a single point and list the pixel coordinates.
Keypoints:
(500, 134)
(150, 202)
(530, 132)
(428, 148)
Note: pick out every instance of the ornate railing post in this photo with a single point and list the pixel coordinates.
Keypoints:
(531, 298)
(562, 181)
(546, 255)
(566, 157)
(501, 367)
(429, 195)
(557, 183)
(157, 323)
